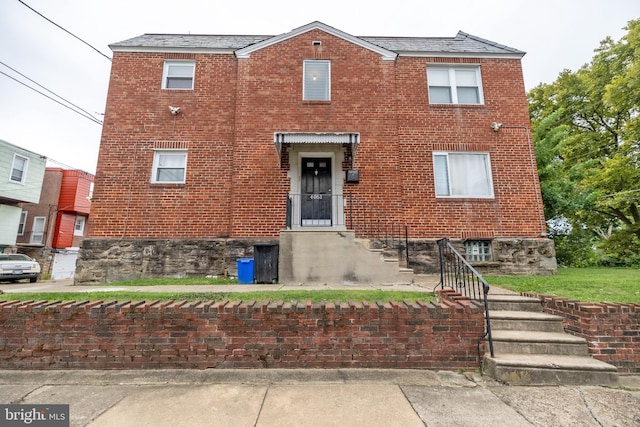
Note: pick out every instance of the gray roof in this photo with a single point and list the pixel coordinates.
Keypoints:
(462, 44)
(189, 41)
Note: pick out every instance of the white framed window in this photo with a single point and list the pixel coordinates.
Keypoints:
(178, 74)
(19, 169)
(462, 174)
(478, 250)
(37, 231)
(317, 80)
(169, 166)
(78, 229)
(22, 223)
(454, 85)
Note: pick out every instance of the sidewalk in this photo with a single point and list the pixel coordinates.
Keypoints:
(422, 283)
(352, 397)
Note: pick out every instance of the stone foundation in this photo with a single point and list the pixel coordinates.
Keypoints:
(112, 260)
(511, 256)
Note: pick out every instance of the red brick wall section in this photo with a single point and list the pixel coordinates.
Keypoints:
(235, 186)
(233, 334)
(612, 330)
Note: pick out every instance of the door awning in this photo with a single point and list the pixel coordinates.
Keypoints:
(352, 138)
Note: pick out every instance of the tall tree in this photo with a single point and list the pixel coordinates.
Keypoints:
(587, 130)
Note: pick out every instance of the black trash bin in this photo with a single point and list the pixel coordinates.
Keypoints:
(265, 257)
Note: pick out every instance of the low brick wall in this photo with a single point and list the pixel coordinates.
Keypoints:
(612, 330)
(228, 334)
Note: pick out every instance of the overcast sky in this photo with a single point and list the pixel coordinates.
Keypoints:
(556, 34)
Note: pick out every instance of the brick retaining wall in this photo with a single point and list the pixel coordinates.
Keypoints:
(228, 334)
(612, 330)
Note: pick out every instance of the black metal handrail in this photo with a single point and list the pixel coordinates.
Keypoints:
(328, 210)
(456, 273)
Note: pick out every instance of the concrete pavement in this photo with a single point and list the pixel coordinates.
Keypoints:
(421, 282)
(424, 283)
(351, 397)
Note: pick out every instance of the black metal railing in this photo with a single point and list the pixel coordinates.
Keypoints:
(329, 210)
(456, 273)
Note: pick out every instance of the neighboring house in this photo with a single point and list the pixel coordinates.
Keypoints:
(21, 174)
(313, 140)
(52, 229)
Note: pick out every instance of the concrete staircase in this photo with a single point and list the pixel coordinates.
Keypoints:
(531, 347)
(335, 257)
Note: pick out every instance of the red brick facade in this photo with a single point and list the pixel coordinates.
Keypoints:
(236, 185)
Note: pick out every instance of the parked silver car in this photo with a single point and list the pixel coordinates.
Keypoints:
(14, 267)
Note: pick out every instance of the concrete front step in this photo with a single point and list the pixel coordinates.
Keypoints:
(535, 342)
(525, 321)
(513, 303)
(534, 369)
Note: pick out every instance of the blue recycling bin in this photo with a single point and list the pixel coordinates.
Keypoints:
(245, 270)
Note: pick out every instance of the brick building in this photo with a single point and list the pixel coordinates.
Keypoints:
(313, 140)
(52, 229)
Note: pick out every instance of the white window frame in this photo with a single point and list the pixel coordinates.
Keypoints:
(156, 166)
(306, 96)
(453, 87)
(450, 189)
(78, 228)
(40, 234)
(166, 76)
(23, 223)
(478, 250)
(23, 178)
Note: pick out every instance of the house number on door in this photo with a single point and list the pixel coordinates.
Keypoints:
(316, 197)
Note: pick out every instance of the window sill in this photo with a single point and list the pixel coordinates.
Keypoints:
(307, 102)
(466, 198)
(448, 106)
(484, 263)
(168, 184)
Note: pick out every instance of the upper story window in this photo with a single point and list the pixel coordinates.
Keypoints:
(178, 74)
(317, 81)
(169, 166)
(454, 85)
(22, 223)
(37, 231)
(19, 169)
(459, 174)
(78, 229)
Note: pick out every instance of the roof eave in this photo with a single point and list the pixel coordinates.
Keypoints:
(172, 49)
(479, 55)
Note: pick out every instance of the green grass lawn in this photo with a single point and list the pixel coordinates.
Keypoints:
(583, 284)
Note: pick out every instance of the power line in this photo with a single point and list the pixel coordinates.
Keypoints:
(63, 29)
(48, 90)
(54, 100)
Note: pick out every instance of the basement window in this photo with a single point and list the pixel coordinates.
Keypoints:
(478, 250)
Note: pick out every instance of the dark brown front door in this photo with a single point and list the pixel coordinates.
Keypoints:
(316, 192)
